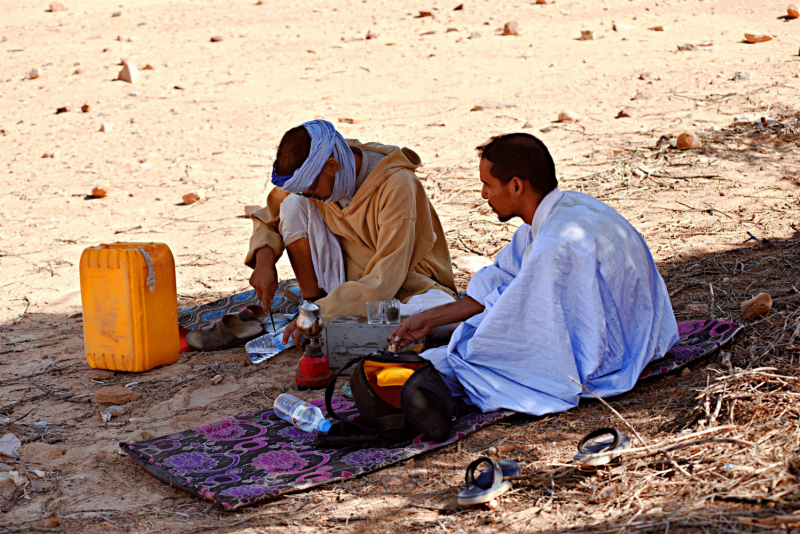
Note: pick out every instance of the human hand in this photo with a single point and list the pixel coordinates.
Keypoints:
(265, 277)
(291, 329)
(410, 331)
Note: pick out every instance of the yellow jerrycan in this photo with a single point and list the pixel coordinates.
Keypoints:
(130, 306)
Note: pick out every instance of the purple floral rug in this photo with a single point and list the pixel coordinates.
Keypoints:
(241, 461)
(698, 340)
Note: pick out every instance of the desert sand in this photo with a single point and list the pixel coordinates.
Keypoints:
(206, 115)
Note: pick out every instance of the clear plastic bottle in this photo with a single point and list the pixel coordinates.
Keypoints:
(300, 413)
(265, 347)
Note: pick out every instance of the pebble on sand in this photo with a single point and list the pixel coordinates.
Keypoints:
(756, 307)
(216, 39)
(86, 108)
(56, 7)
(115, 395)
(587, 35)
(194, 196)
(688, 140)
(511, 28)
(757, 37)
(686, 373)
(101, 190)
(64, 109)
(33, 74)
(129, 74)
(625, 112)
(568, 116)
(792, 12)
(658, 28)
(106, 127)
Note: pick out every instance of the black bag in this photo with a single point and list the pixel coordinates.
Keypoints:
(393, 414)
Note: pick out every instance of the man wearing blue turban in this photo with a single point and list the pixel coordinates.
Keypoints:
(364, 231)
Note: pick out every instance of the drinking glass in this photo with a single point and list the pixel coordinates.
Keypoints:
(391, 311)
(375, 312)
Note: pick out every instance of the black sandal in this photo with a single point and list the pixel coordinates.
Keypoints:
(491, 483)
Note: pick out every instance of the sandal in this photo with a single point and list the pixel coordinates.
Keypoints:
(228, 332)
(491, 483)
(254, 312)
(602, 440)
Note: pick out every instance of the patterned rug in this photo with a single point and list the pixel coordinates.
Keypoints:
(197, 316)
(241, 461)
(698, 340)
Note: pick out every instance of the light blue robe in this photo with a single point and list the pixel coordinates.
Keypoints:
(585, 302)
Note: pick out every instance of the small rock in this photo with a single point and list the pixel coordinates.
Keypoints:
(546, 129)
(688, 47)
(492, 104)
(112, 411)
(568, 116)
(86, 108)
(491, 450)
(216, 39)
(417, 473)
(642, 95)
(115, 395)
(741, 76)
(33, 74)
(78, 71)
(663, 142)
(106, 127)
(371, 35)
(527, 124)
(40, 453)
(148, 67)
(625, 112)
(622, 27)
(792, 12)
(511, 28)
(9, 445)
(217, 380)
(101, 190)
(658, 28)
(55, 7)
(425, 14)
(757, 37)
(129, 74)
(505, 448)
(756, 307)
(64, 109)
(688, 140)
(101, 374)
(194, 196)
(17, 478)
(474, 35)
(587, 35)
(686, 372)
(544, 1)
(116, 14)
(491, 505)
(645, 75)
(50, 154)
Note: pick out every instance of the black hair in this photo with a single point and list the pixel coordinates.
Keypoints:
(521, 155)
(293, 150)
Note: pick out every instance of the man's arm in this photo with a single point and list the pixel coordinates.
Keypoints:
(265, 276)
(417, 326)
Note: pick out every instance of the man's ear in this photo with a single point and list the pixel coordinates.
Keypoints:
(333, 165)
(517, 185)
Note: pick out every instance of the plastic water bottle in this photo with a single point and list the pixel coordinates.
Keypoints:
(300, 413)
(265, 347)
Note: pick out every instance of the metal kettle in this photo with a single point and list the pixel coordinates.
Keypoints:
(309, 320)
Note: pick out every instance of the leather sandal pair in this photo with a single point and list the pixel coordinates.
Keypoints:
(232, 330)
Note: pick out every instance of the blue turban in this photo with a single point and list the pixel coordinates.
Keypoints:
(325, 140)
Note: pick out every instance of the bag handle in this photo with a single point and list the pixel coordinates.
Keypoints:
(332, 385)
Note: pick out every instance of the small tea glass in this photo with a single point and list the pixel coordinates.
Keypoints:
(391, 311)
(374, 312)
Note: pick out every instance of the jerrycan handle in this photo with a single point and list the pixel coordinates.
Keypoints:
(151, 276)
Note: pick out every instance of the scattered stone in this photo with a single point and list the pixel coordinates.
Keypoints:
(216, 39)
(9, 445)
(116, 14)
(756, 307)
(769, 122)
(757, 38)
(568, 116)
(102, 374)
(251, 209)
(115, 395)
(217, 380)
(424, 14)
(77, 72)
(544, 1)
(101, 190)
(17, 478)
(645, 75)
(194, 196)
(663, 142)
(148, 67)
(505, 448)
(492, 104)
(792, 12)
(86, 108)
(511, 28)
(642, 95)
(527, 124)
(64, 109)
(459, 7)
(112, 411)
(106, 127)
(129, 74)
(55, 7)
(50, 155)
(33, 74)
(625, 112)
(741, 76)
(658, 28)
(587, 35)
(40, 453)
(622, 27)
(686, 373)
(688, 140)
(417, 473)
(435, 124)
(546, 129)
(475, 35)
(371, 35)
(491, 505)
(688, 47)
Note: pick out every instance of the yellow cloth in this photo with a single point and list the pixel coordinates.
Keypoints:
(392, 241)
(394, 376)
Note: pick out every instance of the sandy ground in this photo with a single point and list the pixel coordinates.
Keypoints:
(209, 116)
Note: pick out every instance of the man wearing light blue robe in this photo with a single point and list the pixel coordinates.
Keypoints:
(575, 295)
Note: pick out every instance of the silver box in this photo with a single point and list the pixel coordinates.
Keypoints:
(350, 336)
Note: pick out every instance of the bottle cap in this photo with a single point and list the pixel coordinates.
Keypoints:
(324, 426)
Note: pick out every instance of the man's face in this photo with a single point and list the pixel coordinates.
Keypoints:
(322, 187)
(498, 195)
